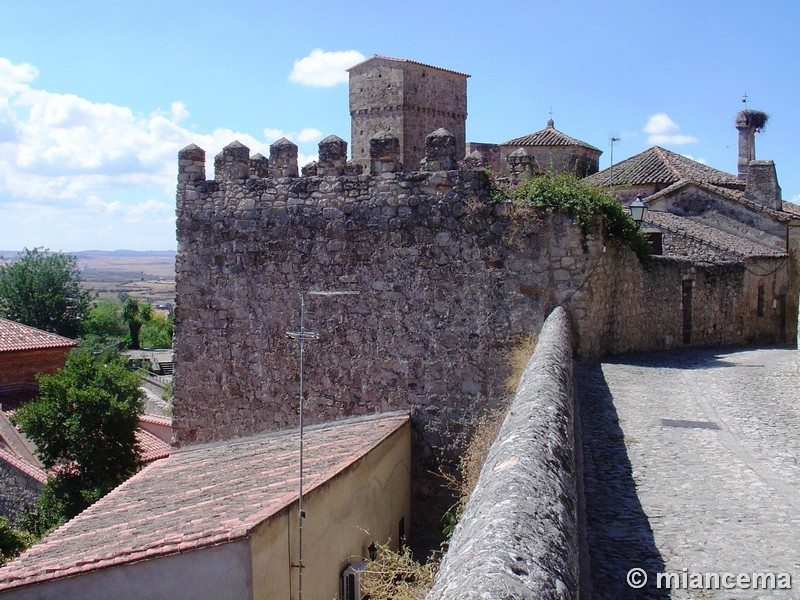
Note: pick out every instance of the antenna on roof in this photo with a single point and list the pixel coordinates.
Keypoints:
(302, 336)
(611, 173)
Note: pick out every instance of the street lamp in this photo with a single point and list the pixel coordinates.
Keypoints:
(638, 209)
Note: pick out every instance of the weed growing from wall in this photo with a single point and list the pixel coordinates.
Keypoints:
(551, 193)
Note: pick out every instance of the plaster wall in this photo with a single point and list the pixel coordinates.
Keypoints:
(343, 517)
(217, 573)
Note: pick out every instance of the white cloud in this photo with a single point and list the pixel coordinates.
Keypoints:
(324, 69)
(76, 173)
(662, 130)
(15, 78)
(309, 134)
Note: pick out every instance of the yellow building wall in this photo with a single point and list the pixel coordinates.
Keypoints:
(343, 517)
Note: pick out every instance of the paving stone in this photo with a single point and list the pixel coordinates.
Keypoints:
(691, 464)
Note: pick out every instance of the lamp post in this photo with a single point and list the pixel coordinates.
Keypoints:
(638, 209)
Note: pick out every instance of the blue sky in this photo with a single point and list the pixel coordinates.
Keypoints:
(97, 97)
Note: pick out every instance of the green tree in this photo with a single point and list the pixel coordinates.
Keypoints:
(157, 332)
(104, 325)
(83, 424)
(12, 541)
(136, 313)
(43, 289)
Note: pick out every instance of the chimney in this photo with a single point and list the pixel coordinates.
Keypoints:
(748, 122)
(762, 184)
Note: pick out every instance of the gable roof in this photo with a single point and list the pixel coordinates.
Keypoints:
(549, 136)
(733, 244)
(16, 336)
(657, 165)
(199, 497)
(737, 196)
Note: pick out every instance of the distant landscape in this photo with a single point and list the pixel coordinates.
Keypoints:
(147, 275)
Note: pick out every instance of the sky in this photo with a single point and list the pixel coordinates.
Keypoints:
(97, 97)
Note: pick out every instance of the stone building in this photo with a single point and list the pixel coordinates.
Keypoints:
(550, 150)
(408, 99)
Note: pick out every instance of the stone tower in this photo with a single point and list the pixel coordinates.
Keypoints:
(408, 99)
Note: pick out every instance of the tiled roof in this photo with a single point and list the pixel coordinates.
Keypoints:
(660, 166)
(15, 336)
(791, 208)
(30, 470)
(404, 60)
(201, 496)
(151, 446)
(155, 419)
(737, 196)
(710, 235)
(549, 136)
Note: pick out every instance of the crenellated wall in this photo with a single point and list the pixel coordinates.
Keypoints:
(447, 284)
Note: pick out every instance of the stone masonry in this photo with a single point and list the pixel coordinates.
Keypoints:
(409, 100)
(448, 283)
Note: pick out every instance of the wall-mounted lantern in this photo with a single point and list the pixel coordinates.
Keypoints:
(638, 209)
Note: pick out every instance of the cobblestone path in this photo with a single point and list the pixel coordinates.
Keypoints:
(691, 466)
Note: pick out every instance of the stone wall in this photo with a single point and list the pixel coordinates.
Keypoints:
(518, 535)
(20, 485)
(447, 285)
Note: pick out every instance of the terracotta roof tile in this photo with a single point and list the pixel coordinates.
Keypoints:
(15, 336)
(15, 461)
(198, 497)
(549, 136)
(660, 166)
(151, 446)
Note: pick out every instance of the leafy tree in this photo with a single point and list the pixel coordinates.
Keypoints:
(157, 332)
(43, 289)
(12, 541)
(136, 313)
(104, 325)
(83, 423)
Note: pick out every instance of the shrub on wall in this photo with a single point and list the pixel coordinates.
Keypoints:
(566, 193)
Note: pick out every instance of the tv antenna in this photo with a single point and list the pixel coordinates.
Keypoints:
(611, 174)
(304, 336)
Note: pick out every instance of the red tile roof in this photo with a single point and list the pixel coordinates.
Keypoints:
(15, 461)
(15, 336)
(660, 166)
(549, 136)
(151, 446)
(201, 496)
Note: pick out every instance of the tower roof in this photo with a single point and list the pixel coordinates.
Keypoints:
(657, 165)
(404, 60)
(549, 136)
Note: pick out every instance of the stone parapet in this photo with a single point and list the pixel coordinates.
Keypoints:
(518, 534)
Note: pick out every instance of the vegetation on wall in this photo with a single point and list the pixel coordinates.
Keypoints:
(551, 193)
(12, 541)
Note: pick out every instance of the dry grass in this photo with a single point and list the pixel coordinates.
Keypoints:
(396, 575)
(517, 360)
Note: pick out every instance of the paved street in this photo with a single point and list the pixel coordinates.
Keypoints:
(691, 462)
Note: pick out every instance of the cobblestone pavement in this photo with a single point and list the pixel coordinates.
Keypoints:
(691, 466)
